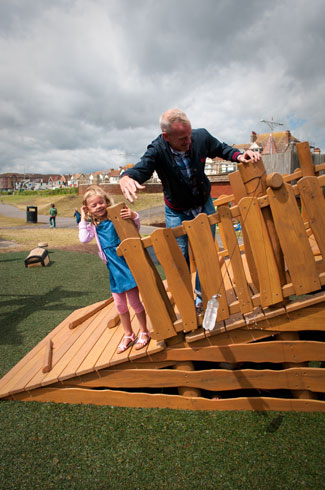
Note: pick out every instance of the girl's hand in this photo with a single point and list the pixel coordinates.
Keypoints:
(84, 213)
(127, 213)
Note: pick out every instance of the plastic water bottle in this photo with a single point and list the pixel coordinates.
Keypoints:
(210, 316)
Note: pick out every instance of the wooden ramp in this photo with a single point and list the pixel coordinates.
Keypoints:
(266, 351)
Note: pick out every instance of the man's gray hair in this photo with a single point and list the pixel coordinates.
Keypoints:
(171, 116)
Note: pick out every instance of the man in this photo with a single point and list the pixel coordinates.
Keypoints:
(178, 156)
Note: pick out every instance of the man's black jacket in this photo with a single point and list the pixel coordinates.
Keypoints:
(179, 192)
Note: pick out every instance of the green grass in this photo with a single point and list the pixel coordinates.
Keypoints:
(46, 445)
(66, 203)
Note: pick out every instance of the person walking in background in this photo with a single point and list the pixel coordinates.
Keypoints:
(123, 285)
(77, 215)
(53, 213)
(178, 156)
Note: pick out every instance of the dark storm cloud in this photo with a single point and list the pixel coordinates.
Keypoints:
(83, 82)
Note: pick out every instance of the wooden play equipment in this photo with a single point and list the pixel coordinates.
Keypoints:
(266, 351)
(38, 257)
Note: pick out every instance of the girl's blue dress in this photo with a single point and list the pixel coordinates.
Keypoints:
(120, 276)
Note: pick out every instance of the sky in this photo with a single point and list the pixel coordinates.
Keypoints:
(84, 82)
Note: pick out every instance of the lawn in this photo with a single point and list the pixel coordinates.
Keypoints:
(66, 203)
(46, 445)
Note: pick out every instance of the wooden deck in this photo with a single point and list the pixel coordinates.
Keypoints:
(266, 351)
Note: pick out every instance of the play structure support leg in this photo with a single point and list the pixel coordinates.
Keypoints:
(186, 390)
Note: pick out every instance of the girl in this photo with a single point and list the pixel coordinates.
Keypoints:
(122, 283)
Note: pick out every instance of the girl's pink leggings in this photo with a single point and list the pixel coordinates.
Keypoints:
(134, 300)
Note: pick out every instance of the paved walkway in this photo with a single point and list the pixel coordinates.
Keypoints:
(63, 222)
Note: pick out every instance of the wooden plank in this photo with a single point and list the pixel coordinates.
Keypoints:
(269, 281)
(177, 274)
(254, 178)
(237, 336)
(68, 343)
(125, 228)
(110, 346)
(291, 232)
(240, 281)
(313, 199)
(93, 350)
(176, 402)
(309, 319)
(90, 312)
(34, 353)
(152, 290)
(67, 352)
(201, 239)
(305, 158)
(235, 320)
(272, 351)
(32, 363)
(239, 191)
(213, 379)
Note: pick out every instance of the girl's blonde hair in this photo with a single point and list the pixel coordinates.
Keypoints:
(96, 190)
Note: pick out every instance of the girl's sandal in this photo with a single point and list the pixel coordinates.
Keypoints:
(122, 347)
(142, 342)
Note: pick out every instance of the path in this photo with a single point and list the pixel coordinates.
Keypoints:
(62, 221)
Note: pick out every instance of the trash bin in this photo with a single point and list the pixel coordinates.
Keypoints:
(31, 214)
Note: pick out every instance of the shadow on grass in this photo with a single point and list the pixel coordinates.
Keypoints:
(51, 301)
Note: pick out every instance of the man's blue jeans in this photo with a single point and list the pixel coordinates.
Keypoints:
(175, 218)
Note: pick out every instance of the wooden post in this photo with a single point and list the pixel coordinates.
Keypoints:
(254, 178)
(307, 167)
(186, 390)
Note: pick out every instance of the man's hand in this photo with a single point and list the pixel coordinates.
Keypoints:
(249, 155)
(129, 187)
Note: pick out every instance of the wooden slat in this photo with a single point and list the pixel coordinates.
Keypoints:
(90, 312)
(32, 363)
(152, 290)
(36, 352)
(207, 262)
(214, 379)
(313, 199)
(294, 241)
(269, 281)
(68, 354)
(177, 274)
(305, 158)
(125, 228)
(254, 178)
(272, 351)
(177, 402)
(240, 281)
(110, 346)
(235, 320)
(239, 191)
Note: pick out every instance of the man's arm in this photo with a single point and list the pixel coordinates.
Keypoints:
(132, 178)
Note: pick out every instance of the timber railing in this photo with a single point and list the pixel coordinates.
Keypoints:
(283, 234)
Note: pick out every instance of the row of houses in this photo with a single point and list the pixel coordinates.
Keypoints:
(277, 148)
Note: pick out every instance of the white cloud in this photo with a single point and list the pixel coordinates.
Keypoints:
(83, 82)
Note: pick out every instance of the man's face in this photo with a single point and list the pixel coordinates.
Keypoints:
(179, 136)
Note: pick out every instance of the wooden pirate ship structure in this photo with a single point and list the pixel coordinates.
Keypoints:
(266, 350)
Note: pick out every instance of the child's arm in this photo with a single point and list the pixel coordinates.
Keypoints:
(86, 230)
(127, 213)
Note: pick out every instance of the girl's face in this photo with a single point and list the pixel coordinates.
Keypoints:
(97, 206)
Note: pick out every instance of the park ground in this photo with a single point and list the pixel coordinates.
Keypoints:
(59, 446)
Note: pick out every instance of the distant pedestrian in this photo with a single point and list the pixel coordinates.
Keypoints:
(77, 215)
(53, 213)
